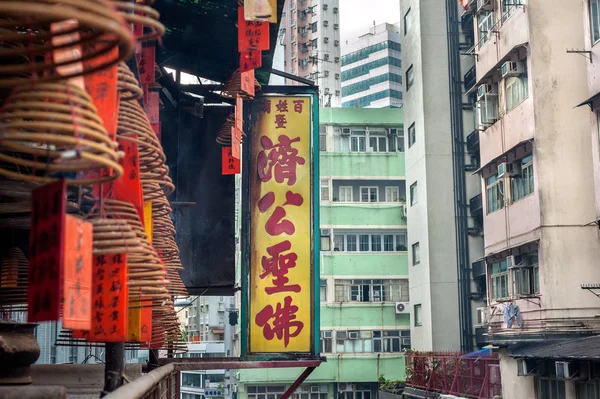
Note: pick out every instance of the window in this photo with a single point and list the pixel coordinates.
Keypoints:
(358, 141)
(418, 316)
(499, 280)
(485, 22)
(595, 20)
(315, 43)
(308, 392)
(323, 142)
(323, 290)
(409, 78)
(354, 341)
(391, 341)
(588, 389)
(407, 22)
(509, 7)
(191, 380)
(522, 185)
(525, 275)
(326, 341)
(378, 141)
(415, 254)
(345, 193)
(325, 190)
(413, 194)
(266, 392)
(412, 135)
(517, 89)
(314, 26)
(495, 193)
(548, 388)
(368, 290)
(370, 242)
(392, 194)
(368, 194)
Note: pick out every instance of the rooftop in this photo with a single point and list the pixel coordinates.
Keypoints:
(361, 116)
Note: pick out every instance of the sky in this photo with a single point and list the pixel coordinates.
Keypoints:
(357, 16)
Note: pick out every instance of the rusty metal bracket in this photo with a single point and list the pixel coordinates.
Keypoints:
(308, 371)
(235, 363)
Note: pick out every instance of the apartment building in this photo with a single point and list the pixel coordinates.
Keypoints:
(364, 261)
(310, 36)
(540, 174)
(203, 384)
(444, 219)
(372, 69)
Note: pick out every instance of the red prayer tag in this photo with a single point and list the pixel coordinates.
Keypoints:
(129, 188)
(247, 79)
(252, 35)
(46, 252)
(146, 65)
(250, 60)
(229, 165)
(151, 108)
(77, 274)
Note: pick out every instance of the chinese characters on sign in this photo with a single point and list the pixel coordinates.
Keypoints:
(229, 164)
(281, 261)
(48, 210)
(252, 35)
(146, 66)
(77, 274)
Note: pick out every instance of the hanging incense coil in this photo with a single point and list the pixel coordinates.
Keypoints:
(127, 84)
(233, 87)
(115, 236)
(54, 129)
(156, 183)
(29, 31)
(141, 13)
(166, 330)
(224, 135)
(14, 272)
(133, 120)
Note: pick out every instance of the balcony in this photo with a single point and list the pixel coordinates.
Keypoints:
(377, 214)
(362, 164)
(470, 78)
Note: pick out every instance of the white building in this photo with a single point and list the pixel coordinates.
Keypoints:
(205, 384)
(310, 37)
(445, 239)
(372, 69)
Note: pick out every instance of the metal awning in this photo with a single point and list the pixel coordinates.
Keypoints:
(498, 65)
(589, 101)
(492, 254)
(587, 348)
(498, 158)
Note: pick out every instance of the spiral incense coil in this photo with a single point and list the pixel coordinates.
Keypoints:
(133, 119)
(14, 271)
(157, 184)
(26, 34)
(54, 128)
(127, 84)
(115, 236)
(141, 13)
(233, 87)
(224, 135)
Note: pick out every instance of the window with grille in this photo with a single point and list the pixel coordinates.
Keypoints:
(495, 193)
(523, 184)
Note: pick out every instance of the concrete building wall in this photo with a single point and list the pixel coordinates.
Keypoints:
(429, 164)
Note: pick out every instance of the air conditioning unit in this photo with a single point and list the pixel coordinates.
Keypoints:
(327, 334)
(344, 386)
(336, 60)
(326, 40)
(569, 371)
(337, 76)
(341, 334)
(337, 93)
(404, 210)
(509, 169)
(482, 316)
(335, 10)
(345, 131)
(513, 68)
(526, 367)
(402, 308)
(486, 90)
(325, 6)
(352, 334)
(326, 57)
(314, 388)
(511, 261)
(336, 43)
(393, 132)
(326, 23)
(484, 5)
(326, 91)
(325, 233)
(336, 26)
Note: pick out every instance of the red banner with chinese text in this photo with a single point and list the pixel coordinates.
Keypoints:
(229, 164)
(128, 188)
(281, 286)
(46, 252)
(77, 274)
(252, 35)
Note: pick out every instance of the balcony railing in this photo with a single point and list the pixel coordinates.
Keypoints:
(455, 373)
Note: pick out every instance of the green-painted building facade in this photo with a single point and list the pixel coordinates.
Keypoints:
(365, 324)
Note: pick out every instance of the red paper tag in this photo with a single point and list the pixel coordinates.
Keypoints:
(77, 274)
(229, 165)
(247, 79)
(250, 60)
(146, 66)
(110, 293)
(102, 86)
(252, 35)
(236, 141)
(46, 243)
(239, 113)
(129, 188)
(151, 108)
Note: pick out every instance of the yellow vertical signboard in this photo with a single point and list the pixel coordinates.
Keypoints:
(280, 311)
